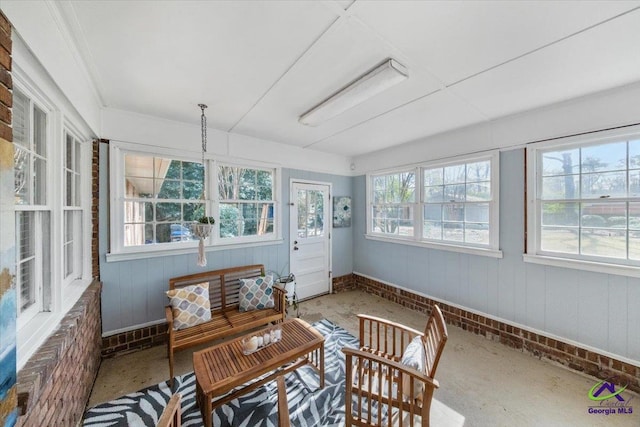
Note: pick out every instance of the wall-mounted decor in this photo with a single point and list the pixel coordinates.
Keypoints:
(8, 389)
(342, 211)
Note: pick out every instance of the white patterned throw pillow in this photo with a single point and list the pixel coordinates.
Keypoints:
(256, 294)
(190, 305)
(415, 358)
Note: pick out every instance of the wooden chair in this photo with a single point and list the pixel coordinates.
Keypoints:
(283, 406)
(380, 389)
(171, 415)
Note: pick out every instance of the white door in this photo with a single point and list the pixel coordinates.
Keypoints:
(309, 238)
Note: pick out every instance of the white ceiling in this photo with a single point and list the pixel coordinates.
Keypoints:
(260, 64)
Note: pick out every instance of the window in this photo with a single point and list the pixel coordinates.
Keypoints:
(33, 215)
(246, 202)
(72, 208)
(450, 204)
(457, 202)
(160, 194)
(587, 200)
(392, 210)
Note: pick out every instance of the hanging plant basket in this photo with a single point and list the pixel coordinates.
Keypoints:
(202, 230)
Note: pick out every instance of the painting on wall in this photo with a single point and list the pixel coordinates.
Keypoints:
(8, 393)
(342, 211)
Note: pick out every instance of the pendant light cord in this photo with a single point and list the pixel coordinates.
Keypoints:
(203, 126)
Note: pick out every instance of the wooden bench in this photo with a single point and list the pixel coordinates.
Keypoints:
(226, 319)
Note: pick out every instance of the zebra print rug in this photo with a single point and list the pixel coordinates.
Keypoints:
(308, 406)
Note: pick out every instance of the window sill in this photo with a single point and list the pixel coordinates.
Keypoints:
(157, 253)
(492, 253)
(597, 267)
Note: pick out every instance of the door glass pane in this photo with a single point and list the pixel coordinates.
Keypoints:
(302, 213)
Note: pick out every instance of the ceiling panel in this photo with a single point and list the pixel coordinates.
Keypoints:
(602, 58)
(433, 114)
(455, 40)
(163, 58)
(344, 53)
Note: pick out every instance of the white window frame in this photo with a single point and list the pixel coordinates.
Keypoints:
(120, 252)
(576, 261)
(39, 210)
(491, 250)
(79, 224)
(34, 328)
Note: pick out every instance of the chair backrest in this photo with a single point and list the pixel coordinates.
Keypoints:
(171, 416)
(435, 337)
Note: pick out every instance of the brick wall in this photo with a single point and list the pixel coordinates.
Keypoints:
(55, 384)
(574, 357)
(343, 283)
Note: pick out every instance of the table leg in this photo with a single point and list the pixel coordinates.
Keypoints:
(204, 403)
(322, 365)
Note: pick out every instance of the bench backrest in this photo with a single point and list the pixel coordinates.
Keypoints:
(224, 284)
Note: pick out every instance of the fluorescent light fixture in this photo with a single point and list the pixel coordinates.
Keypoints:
(385, 75)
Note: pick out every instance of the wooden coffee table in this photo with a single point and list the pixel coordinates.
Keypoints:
(223, 367)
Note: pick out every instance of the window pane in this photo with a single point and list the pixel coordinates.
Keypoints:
(476, 233)
(265, 224)
(433, 212)
(634, 154)
(68, 259)
(561, 187)
(606, 157)
(68, 226)
(558, 239)
(68, 184)
(433, 194)
(138, 211)
(378, 197)
(78, 197)
(564, 162)
(40, 182)
(378, 183)
(265, 185)
(163, 233)
(612, 215)
(453, 212)
(25, 226)
(20, 119)
(479, 191)
(477, 212)
(134, 234)
(69, 153)
(39, 131)
(22, 173)
(634, 216)
(27, 284)
(193, 211)
(168, 211)
(138, 166)
(432, 230)
(167, 189)
(231, 220)
(479, 171)
(454, 174)
(453, 231)
(433, 177)
(168, 169)
(605, 243)
(140, 188)
(634, 183)
(454, 193)
(613, 184)
(560, 213)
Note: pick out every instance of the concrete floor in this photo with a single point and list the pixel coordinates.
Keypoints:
(482, 383)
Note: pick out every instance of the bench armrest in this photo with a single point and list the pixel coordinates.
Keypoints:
(169, 315)
(279, 298)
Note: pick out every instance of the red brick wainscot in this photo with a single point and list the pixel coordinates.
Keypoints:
(55, 384)
(572, 356)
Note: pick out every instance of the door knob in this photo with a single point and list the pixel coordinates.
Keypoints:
(295, 248)
(295, 242)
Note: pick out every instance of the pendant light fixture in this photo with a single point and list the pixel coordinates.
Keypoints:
(202, 228)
